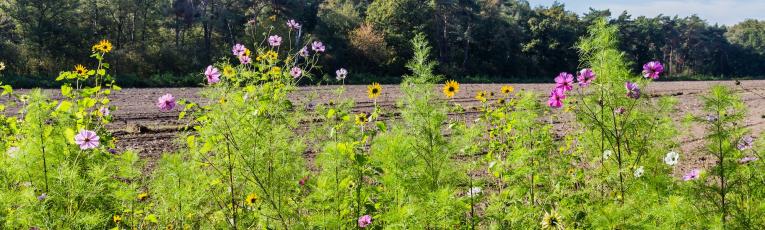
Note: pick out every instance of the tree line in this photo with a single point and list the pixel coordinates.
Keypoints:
(168, 42)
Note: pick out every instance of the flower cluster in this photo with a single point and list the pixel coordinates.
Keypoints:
(564, 82)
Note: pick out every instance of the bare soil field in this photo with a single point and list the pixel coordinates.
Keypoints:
(140, 126)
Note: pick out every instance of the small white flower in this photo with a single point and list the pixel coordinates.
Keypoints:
(639, 171)
(12, 151)
(341, 74)
(607, 153)
(671, 158)
(474, 191)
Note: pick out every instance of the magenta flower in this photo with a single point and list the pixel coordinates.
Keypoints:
(245, 60)
(166, 103)
(303, 52)
(556, 98)
(293, 25)
(633, 90)
(747, 160)
(238, 50)
(86, 139)
(585, 77)
(341, 74)
(653, 69)
(692, 175)
(746, 142)
(564, 81)
(296, 72)
(212, 74)
(275, 40)
(318, 46)
(365, 221)
(303, 180)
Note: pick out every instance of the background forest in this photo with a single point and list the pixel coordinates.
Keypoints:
(169, 42)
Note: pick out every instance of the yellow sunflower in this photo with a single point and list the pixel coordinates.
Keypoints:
(81, 70)
(374, 90)
(507, 89)
(229, 71)
(481, 96)
(362, 118)
(247, 52)
(142, 196)
(116, 218)
(451, 88)
(251, 199)
(552, 220)
(104, 46)
(271, 55)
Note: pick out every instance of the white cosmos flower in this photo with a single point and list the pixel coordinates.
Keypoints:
(474, 191)
(671, 158)
(639, 171)
(607, 153)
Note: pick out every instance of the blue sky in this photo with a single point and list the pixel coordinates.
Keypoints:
(727, 12)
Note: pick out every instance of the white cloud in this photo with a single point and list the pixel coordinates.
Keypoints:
(726, 12)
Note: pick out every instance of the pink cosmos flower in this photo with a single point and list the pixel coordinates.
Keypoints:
(303, 52)
(556, 98)
(633, 90)
(303, 180)
(293, 25)
(166, 103)
(212, 74)
(619, 110)
(585, 77)
(238, 50)
(274, 40)
(245, 60)
(692, 175)
(365, 221)
(104, 111)
(564, 81)
(86, 139)
(747, 160)
(341, 74)
(296, 72)
(318, 46)
(653, 69)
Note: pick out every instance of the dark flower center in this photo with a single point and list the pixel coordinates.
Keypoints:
(374, 91)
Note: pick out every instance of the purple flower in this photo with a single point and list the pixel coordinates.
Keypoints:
(166, 103)
(112, 151)
(245, 60)
(747, 160)
(293, 25)
(303, 52)
(556, 98)
(275, 40)
(341, 74)
(212, 74)
(365, 221)
(238, 50)
(86, 139)
(585, 77)
(653, 69)
(692, 175)
(564, 81)
(746, 142)
(42, 197)
(633, 91)
(296, 72)
(318, 46)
